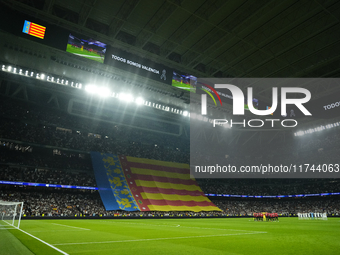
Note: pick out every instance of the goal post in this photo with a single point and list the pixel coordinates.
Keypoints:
(10, 214)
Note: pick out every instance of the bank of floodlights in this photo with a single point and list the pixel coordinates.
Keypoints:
(317, 129)
(101, 91)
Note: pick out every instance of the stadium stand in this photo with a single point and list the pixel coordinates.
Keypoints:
(25, 157)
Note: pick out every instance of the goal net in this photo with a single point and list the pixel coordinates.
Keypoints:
(10, 214)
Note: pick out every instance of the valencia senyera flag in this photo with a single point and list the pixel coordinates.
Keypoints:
(33, 29)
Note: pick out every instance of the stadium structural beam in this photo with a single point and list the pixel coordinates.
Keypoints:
(124, 13)
(19, 89)
(250, 138)
(273, 137)
(48, 6)
(55, 100)
(85, 11)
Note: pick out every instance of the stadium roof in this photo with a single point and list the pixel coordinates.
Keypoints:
(209, 38)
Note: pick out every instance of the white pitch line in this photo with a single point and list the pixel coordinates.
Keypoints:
(159, 239)
(50, 245)
(59, 230)
(86, 56)
(70, 226)
(165, 225)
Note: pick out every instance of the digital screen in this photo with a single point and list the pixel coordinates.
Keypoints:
(87, 48)
(33, 29)
(135, 64)
(184, 81)
(255, 104)
(48, 185)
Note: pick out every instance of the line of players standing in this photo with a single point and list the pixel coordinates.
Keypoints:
(267, 216)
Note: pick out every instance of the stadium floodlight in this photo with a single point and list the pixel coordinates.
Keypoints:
(139, 101)
(126, 97)
(300, 133)
(42, 76)
(104, 92)
(9, 68)
(90, 89)
(185, 113)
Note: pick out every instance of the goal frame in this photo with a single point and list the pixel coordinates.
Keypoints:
(15, 204)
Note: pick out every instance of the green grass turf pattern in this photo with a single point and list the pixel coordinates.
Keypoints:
(183, 236)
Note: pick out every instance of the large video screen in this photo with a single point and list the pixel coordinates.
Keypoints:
(184, 81)
(130, 62)
(86, 47)
(32, 28)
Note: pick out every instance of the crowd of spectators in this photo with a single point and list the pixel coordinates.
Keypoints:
(44, 158)
(33, 124)
(50, 146)
(269, 187)
(17, 173)
(46, 202)
(67, 203)
(287, 207)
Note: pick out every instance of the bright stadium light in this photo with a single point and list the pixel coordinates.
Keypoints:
(126, 97)
(104, 92)
(91, 89)
(100, 91)
(185, 113)
(139, 100)
(300, 133)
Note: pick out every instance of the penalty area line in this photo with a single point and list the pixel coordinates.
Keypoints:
(70, 226)
(50, 245)
(160, 239)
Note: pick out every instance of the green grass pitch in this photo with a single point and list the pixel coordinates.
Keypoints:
(176, 236)
(184, 86)
(84, 53)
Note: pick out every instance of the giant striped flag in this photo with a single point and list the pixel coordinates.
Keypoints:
(129, 183)
(164, 186)
(33, 29)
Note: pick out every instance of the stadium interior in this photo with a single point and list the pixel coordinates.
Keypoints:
(98, 114)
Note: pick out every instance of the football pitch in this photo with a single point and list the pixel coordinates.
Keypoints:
(173, 236)
(184, 86)
(85, 53)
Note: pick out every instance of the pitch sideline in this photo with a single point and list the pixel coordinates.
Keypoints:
(158, 239)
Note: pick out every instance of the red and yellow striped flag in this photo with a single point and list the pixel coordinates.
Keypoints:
(33, 29)
(164, 186)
